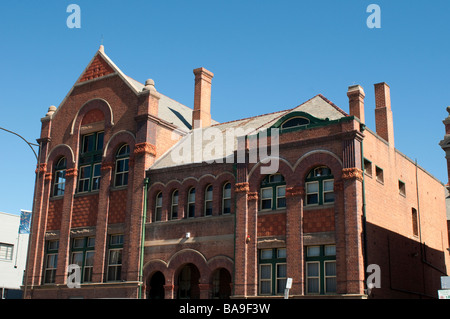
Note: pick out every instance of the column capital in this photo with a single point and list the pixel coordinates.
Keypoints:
(352, 173)
(144, 148)
(241, 187)
(294, 191)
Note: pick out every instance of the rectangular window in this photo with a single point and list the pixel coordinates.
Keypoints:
(6, 251)
(60, 183)
(328, 191)
(122, 172)
(415, 223)
(312, 193)
(379, 173)
(114, 269)
(96, 176)
(51, 261)
(272, 271)
(368, 167)
(83, 181)
(83, 256)
(191, 203)
(312, 277)
(266, 198)
(174, 212)
(281, 196)
(226, 201)
(320, 264)
(401, 188)
(209, 201)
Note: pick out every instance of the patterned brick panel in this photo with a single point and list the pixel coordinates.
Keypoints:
(97, 69)
(93, 117)
(117, 207)
(54, 214)
(85, 211)
(272, 225)
(318, 220)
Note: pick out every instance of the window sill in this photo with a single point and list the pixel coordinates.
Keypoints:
(96, 192)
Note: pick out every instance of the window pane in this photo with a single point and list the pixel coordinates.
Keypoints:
(191, 197)
(312, 269)
(281, 285)
(313, 251)
(266, 272)
(226, 206)
(175, 198)
(312, 199)
(330, 284)
(281, 253)
(78, 242)
(328, 197)
(328, 185)
(266, 193)
(77, 258)
(91, 242)
(330, 250)
(281, 271)
(266, 254)
(89, 261)
(330, 268)
(313, 285)
(266, 287)
(281, 202)
(100, 140)
(281, 191)
(209, 193)
(227, 190)
(312, 187)
(159, 200)
(266, 204)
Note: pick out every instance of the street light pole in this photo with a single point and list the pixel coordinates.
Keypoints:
(33, 204)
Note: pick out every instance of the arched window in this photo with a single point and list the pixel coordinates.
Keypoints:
(174, 206)
(295, 122)
(122, 161)
(226, 198)
(191, 203)
(91, 149)
(158, 207)
(208, 200)
(319, 186)
(60, 177)
(273, 192)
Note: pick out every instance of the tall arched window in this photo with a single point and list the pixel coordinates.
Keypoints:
(91, 149)
(191, 203)
(273, 192)
(208, 200)
(174, 206)
(122, 161)
(319, 186)
(60, 177)
(158, 207)
(226, 198)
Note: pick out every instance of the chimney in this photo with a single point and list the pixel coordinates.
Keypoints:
(201, 116)
(383, 113)
(356, 96)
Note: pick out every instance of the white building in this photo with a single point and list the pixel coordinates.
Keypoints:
(13, 255)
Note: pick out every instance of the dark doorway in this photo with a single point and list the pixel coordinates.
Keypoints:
(156, 286)
(187, 282)
(221, 284)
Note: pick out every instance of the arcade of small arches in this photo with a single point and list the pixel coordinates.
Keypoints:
(188, 275)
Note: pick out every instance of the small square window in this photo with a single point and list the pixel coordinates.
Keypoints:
(266, 254)
(368, 167)
(313, 251)
(401, 188)
(379, 173)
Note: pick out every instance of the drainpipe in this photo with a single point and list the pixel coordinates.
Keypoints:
(144, 218)
(364, 224)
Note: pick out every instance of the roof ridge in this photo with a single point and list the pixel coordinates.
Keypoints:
(250, 117)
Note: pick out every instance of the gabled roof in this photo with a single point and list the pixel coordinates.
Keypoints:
(102, 66)
(318, 106)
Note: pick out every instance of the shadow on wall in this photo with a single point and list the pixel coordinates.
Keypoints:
(409, 269)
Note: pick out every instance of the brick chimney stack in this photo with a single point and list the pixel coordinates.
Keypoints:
(356, 96)
(383, 113)
(201, 116)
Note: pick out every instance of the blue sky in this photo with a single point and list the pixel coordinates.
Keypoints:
(266, 56)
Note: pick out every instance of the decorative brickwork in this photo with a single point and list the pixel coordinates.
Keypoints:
(98, 68)
(351, 173)
(241, 187)
(144, 148)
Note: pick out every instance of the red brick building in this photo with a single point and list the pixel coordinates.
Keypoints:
(216, 225)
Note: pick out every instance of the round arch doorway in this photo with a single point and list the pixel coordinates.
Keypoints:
(156, 286)
(187, 281)
(221, 284)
